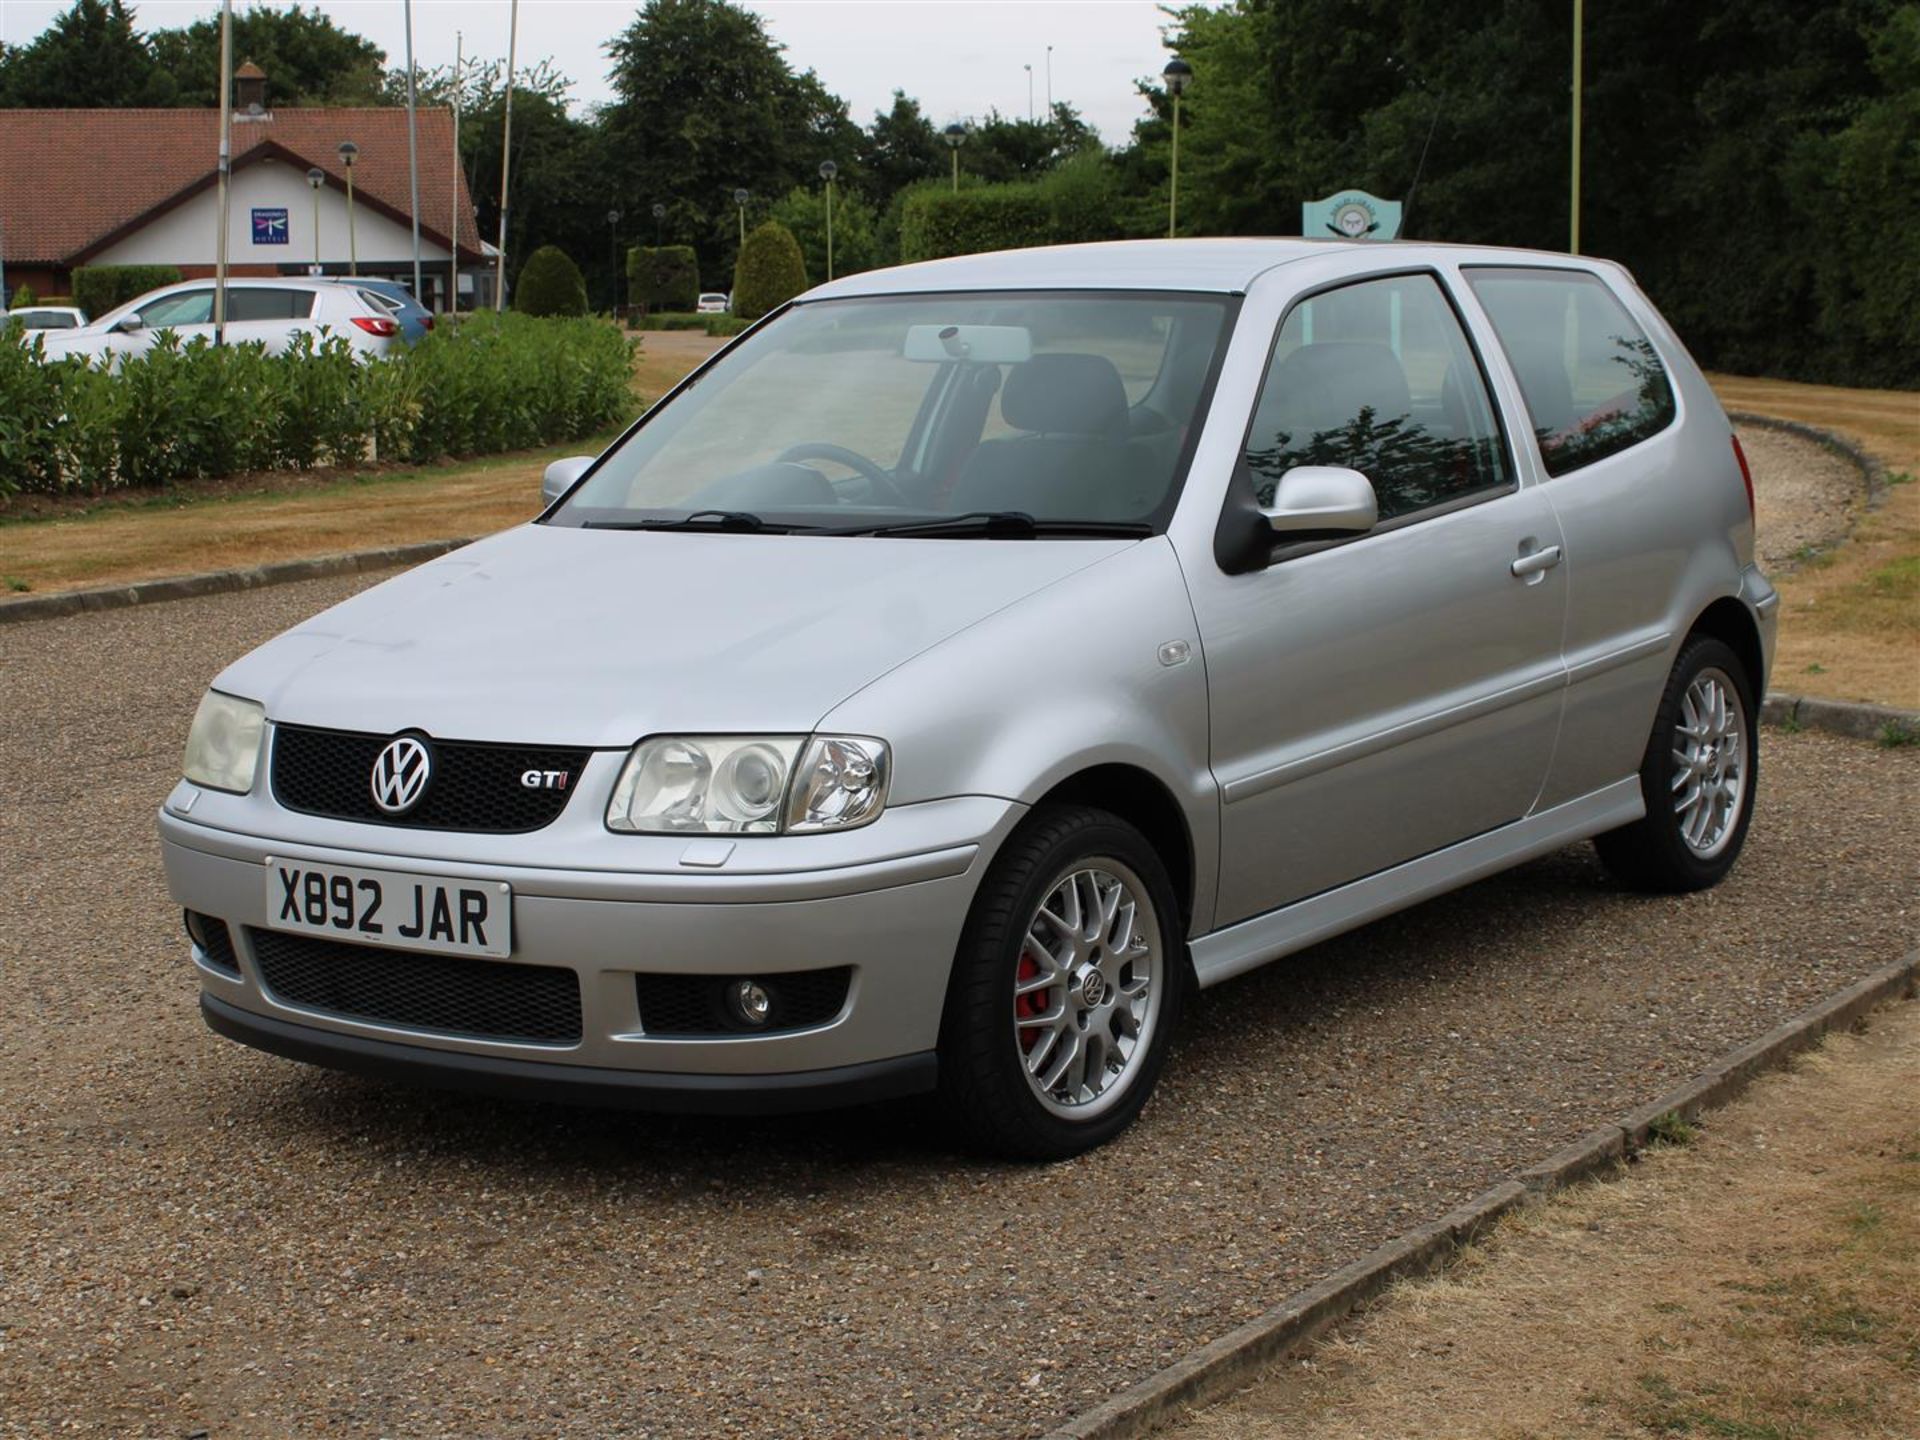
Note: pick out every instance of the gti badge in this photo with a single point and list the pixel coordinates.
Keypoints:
(400, 775)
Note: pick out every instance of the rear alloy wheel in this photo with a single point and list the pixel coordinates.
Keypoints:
(1066, 988)
(1698, 777)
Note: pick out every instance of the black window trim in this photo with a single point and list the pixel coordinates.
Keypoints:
(1244, 542)
(1547, 476)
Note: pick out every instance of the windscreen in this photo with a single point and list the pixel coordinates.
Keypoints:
(873, 411)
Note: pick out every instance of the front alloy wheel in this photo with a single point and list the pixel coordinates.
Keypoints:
(1065, 991)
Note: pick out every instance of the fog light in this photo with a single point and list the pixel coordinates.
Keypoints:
(750, 1003)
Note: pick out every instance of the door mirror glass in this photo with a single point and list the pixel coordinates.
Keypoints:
(1327, 500)
(560, 476)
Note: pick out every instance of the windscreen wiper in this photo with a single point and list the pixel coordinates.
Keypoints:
(1000, 525)
(732, 522)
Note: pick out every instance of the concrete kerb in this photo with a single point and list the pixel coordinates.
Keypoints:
(1840, 717)
(1873, 473)
(220, 582)
(1225, 1365)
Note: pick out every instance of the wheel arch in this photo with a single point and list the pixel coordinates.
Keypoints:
(1729, 621)
(1144, 802)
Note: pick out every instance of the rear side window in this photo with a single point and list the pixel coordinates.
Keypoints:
(263, 304)
(1593, 383)
(1378, 377)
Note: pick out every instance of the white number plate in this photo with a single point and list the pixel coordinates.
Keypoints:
(386, 907)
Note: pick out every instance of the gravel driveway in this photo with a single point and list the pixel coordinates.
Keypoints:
(195, 1237)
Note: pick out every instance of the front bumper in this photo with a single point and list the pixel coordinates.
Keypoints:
(890, 904)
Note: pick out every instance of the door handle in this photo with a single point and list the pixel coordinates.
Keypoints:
(1536, 561)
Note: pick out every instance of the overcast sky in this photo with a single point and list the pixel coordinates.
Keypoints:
(960, 57)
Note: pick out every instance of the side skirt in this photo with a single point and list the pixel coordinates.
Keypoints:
(1252, 943)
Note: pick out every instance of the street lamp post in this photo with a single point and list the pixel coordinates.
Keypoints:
(659, 219)
(316, 177)
(740, 198)
(1029, 70)
(1573, 200)
(613, 254)
(1049, 84)
(956, 136)
(827, 171)
(1178, 75)
(349, 152)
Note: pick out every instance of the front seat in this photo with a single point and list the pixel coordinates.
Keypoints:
(1073, 462)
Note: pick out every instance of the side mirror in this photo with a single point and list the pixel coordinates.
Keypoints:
(130, 323)
(1322, 500)
(561, 474)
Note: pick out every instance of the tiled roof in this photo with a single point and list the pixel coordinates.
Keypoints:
(71, 178)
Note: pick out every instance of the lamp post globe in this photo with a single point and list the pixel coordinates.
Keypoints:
(1178, 75)
(659, 217)
(955, 135)
(350, 152)
(613, 254)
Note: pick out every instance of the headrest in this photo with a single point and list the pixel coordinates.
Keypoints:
(1065, 394)
(1326, 385)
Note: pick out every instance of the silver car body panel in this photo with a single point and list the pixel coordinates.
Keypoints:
(1341, 734)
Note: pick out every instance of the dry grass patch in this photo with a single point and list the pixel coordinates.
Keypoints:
(1850, 621)
(1762, 1283)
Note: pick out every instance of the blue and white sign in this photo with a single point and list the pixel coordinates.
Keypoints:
(270, 227)
(1350, 215)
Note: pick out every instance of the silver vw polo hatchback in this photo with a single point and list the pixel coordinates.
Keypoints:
(976, 656)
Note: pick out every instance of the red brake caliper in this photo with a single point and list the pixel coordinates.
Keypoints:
(1031, 1004)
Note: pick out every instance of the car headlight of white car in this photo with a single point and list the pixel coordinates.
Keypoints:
(223, 747)
(750, 784)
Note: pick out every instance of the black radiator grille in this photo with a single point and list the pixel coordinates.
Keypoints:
(697, 1004)
(474, 786)
(490, 999)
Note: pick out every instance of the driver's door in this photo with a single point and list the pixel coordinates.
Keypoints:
(1378, 698)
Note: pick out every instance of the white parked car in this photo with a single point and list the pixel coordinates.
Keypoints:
(270, 312)
(714, 303)
(45, 317)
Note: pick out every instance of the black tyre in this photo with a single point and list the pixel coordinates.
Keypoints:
(1066, 989)
(1699, 777)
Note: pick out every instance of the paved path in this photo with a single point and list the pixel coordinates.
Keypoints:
(194, 1236)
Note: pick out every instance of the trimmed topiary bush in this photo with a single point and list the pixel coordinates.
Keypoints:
(663, 278)
(23, 297)
(936, 223)
(770, 271)
(100, 288)
(550, 284)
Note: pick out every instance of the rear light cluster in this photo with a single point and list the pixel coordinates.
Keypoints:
(1746, 475)
(377, 325)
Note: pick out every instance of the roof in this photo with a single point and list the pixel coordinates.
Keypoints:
(72, 180)
(1225, 266)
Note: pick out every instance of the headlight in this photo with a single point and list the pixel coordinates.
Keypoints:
(223, 747)
(749, 784)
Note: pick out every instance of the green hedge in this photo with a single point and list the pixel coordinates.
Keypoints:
(666, 277)
(100, 288)
(936, 223)
(490, 383)
(769, 272)
(550, 284)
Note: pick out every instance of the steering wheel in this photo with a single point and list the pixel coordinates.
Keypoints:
(882, 483)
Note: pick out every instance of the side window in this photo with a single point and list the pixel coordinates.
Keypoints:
(249, 303)
(1378, 377)
(189, 307)
(1593, 382)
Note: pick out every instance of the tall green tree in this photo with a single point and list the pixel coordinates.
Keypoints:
(705, 102)
(803, 210)
(89, 57)
(900, 147)
(309, 60)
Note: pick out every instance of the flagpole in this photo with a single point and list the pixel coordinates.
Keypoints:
(506, 161)
(1574, 206)
(413, 158)
(226, 173)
